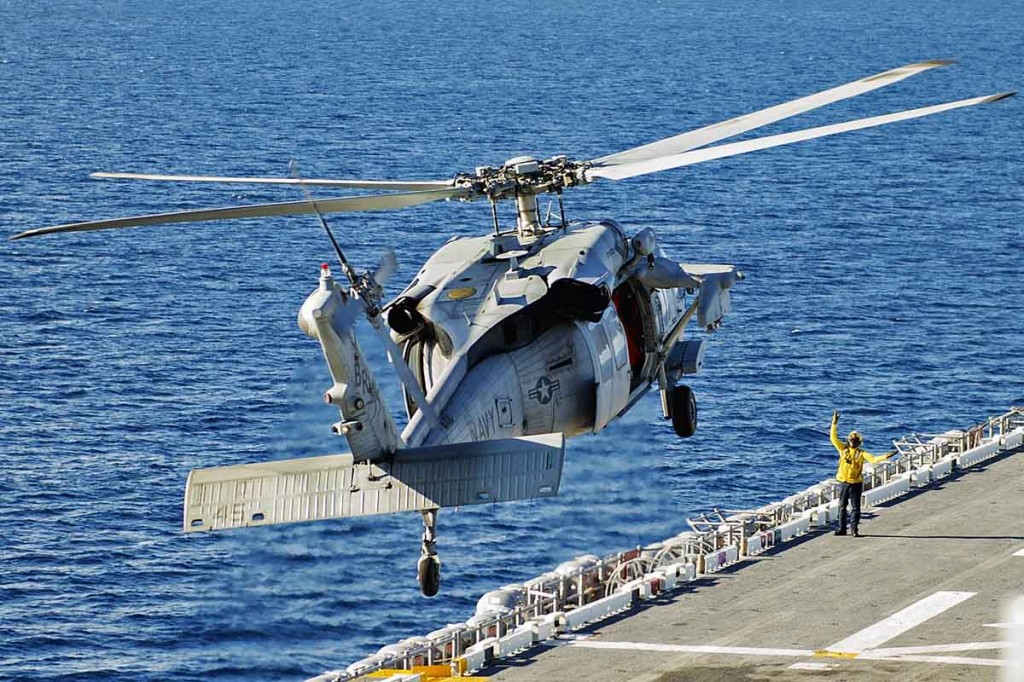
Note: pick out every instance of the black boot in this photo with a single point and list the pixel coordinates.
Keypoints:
(842, 531)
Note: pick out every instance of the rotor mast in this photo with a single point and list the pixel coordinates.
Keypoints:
(527, 205)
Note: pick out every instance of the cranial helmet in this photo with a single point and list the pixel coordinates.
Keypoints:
(854, 439)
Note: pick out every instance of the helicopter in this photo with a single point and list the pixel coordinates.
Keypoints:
(504, 344)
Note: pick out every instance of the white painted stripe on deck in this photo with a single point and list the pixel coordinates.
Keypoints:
(1019, 552)
(689, 648)
(811, 666)
(933, 649)
(950, 660)
(897, 654)
(900, 622)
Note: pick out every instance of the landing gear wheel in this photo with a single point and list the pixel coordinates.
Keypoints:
(428, 572)
(428, 569)
(683, 406)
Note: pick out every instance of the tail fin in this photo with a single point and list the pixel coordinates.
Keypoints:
(329, 315)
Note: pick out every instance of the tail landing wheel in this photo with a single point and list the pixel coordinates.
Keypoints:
(428, 568)
(428, 572)
(683, 408)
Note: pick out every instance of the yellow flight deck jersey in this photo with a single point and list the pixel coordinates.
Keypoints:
(851, 460)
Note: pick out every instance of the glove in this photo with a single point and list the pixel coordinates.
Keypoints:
(835, 415)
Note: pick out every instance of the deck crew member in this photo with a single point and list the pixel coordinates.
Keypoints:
(851, 482)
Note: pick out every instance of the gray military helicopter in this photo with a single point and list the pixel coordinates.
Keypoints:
(504, 344)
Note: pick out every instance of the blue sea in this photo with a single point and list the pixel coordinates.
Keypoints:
(883, 279)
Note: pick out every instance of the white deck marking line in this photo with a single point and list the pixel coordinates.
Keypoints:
(898, 623)
(566, 639)
(690, 648)
(811, 666)
(951, 660)
(933, 649)
(899, 654)
(1019, 552)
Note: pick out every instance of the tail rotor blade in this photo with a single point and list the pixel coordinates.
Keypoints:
(387, 267)
(720, 131)
(338, 205)
(643, 167)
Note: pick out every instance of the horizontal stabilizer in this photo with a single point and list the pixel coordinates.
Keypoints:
(334, 486)
(715, 281)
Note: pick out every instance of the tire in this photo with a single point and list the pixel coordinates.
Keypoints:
(683, 406)
(428, 572)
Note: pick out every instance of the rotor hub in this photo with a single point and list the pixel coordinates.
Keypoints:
(522, 175)
(523, 178)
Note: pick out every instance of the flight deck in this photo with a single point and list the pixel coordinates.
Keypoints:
(920, 595)
(927, 592)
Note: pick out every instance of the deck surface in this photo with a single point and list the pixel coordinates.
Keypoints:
(920, 596)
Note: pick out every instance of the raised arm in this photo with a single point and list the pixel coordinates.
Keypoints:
(834, 433)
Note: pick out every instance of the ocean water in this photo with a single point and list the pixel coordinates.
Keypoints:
(883, 279)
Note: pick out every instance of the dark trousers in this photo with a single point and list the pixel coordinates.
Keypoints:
(850, 493)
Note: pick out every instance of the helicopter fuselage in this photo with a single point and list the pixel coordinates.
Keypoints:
(562, 332)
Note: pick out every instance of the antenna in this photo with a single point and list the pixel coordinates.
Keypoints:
(293, 168)
(366, 290)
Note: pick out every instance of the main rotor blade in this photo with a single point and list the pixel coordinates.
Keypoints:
(629, 170)
(410, 186)
(720, 131)
(342, 205)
